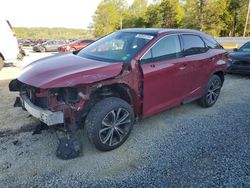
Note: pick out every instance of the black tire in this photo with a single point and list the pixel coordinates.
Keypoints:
(1, 63)
(102, 120)
(212, 92)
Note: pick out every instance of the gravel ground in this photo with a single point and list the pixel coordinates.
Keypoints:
(186, 146)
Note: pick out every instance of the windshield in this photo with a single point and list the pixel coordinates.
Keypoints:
(245, 47)
(116, 47)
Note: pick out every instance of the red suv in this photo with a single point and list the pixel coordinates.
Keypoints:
(126, 76)
(75, 46)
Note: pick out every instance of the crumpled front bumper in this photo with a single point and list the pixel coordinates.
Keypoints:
(46, 116)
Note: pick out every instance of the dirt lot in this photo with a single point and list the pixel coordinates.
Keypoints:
(187, 146)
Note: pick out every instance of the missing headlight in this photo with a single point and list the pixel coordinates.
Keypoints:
(68, 95)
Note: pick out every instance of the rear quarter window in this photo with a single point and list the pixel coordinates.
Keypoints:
(193, 44)
(212, 44)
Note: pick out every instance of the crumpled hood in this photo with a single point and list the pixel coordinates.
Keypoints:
(67, 71)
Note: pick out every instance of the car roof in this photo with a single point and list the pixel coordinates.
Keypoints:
(156, 31)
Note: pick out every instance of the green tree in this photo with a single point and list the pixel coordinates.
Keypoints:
(153, 16)
(108, 16)
(165, 13)
(238, 11)
(171, 12)
(51, 33)
(206, 15)
(139, 8)
(194, 12)
(136, 14)
(213, 16)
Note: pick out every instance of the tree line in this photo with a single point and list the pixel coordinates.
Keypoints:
(216, 17)
(51, 33)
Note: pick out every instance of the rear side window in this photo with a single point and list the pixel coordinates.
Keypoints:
(165, 49)
(193, 44)
(212, 44)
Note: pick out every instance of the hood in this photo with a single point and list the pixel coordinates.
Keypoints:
(67, 71)
(240, 56)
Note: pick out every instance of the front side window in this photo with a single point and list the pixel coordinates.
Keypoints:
(165, 49)
(116, 47)
(193, 44)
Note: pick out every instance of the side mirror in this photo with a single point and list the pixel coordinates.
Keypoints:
(235, 49)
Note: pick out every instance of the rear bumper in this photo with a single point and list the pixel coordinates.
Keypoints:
(46, 116)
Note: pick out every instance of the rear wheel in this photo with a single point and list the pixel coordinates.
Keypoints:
(212, 91)
(109, 123)
(1, 62)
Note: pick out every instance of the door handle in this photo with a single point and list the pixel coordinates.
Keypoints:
(183, 66)
(212, 59)
(152, 65)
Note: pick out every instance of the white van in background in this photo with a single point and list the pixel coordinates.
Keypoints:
(9, 49)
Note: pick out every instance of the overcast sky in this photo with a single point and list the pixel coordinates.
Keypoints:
(49, 13)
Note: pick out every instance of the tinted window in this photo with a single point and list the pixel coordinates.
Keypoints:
(165, 49)
(212, 44)
(193, 44)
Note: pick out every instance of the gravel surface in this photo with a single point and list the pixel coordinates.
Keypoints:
(187, 146)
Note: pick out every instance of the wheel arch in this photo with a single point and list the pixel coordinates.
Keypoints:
(221, 75)
(119, 90)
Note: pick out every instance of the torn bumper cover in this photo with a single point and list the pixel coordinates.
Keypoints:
(46, 116)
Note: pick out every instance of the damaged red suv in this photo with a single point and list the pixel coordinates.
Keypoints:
(119, 79)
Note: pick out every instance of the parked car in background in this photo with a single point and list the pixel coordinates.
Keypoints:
(125, 76)
(48, 46)
(25, 43)
(239, 60)
(75, 45)
(9, 50)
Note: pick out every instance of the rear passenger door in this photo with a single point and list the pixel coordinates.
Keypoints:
(197, 58)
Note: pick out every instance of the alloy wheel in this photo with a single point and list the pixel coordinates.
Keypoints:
(115, 126)
(213, 91)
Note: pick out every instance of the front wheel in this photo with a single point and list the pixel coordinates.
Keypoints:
(212, 91)
(109, 123)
